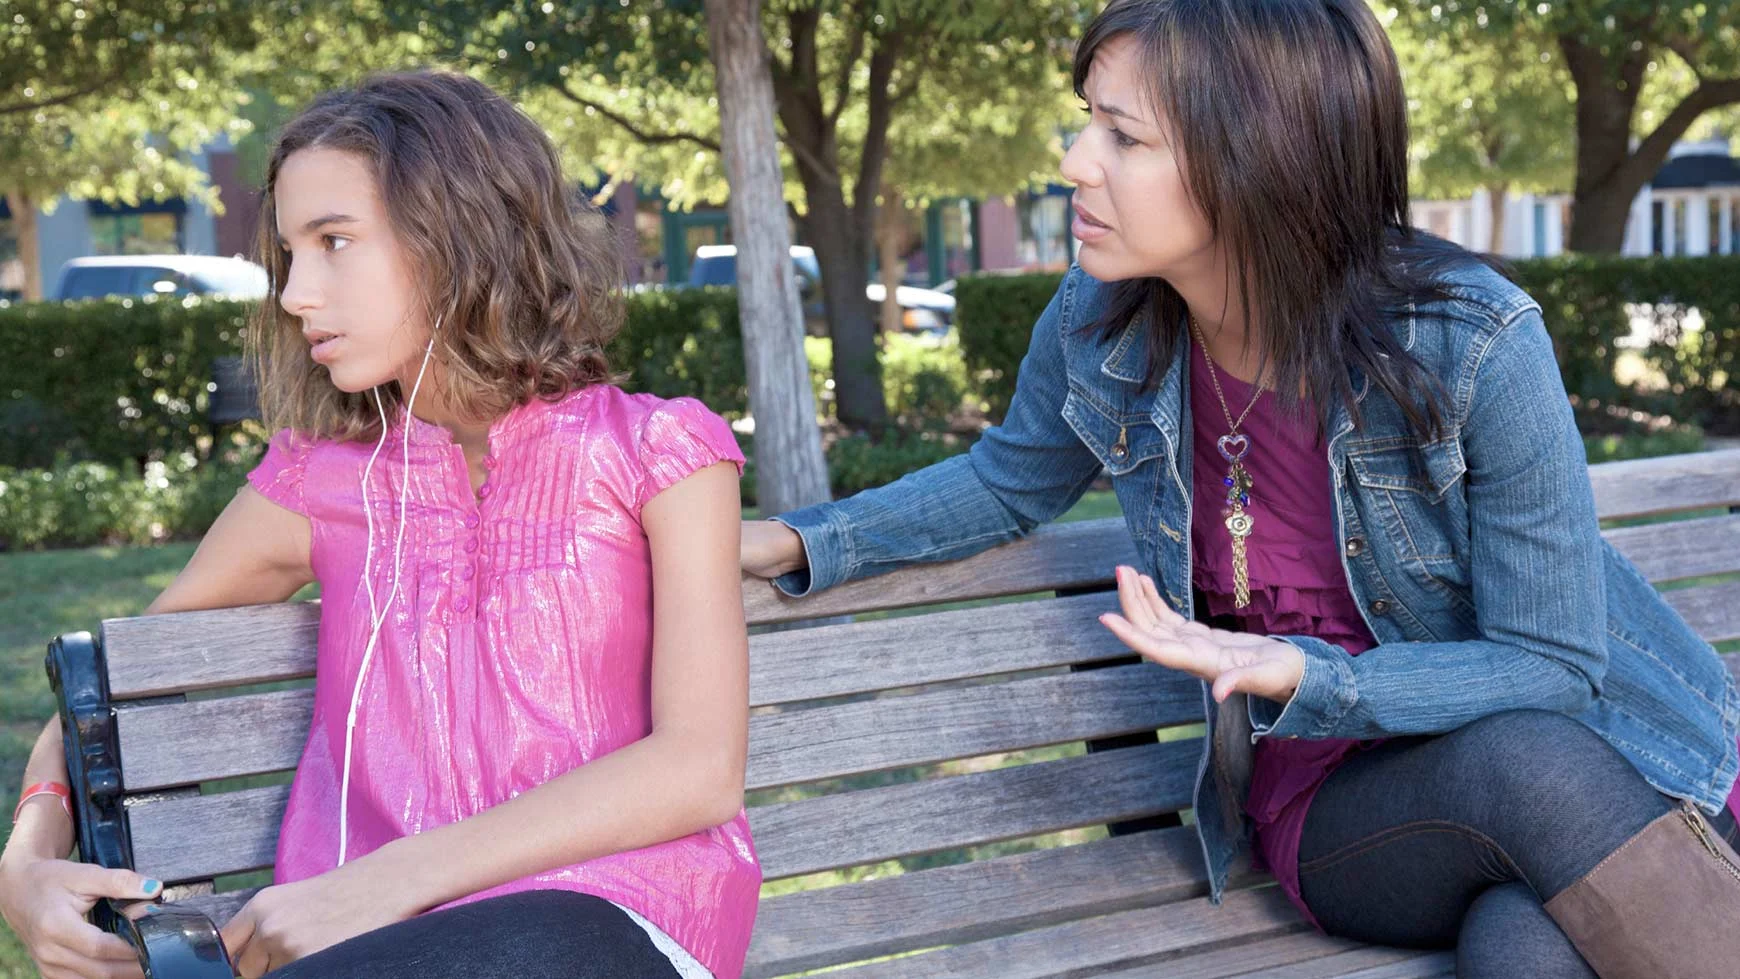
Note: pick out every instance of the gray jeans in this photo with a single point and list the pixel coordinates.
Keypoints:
(1457, 841)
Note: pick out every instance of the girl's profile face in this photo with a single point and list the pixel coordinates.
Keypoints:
(349, 280)
(1133, 214)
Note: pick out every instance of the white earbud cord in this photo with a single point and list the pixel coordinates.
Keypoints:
(377, 618)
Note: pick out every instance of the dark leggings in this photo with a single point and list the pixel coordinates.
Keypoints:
(1458, 840)
(549, 934)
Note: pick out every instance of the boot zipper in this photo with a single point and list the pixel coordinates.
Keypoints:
(1702, 832)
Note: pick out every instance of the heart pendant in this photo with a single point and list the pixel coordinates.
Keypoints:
(1234, 447)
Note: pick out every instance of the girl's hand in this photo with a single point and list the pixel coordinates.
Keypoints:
(46, 900)
(284, 923)
(1234, 662)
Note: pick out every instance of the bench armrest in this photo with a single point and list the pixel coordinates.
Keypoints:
(174, 942)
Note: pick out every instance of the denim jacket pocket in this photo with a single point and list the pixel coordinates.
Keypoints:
(1403, 465)
(1127, 443)
(1120, 440)
(1412, 492)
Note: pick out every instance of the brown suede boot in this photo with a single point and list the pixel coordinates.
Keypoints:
(1665, 905)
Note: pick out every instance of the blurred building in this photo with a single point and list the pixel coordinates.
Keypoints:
(1692, 207)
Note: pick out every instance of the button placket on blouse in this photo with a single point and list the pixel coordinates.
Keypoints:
(466, 586)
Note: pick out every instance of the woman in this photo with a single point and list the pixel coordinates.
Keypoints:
(1362, 514)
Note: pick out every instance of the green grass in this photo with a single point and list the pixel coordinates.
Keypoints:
(42, 595)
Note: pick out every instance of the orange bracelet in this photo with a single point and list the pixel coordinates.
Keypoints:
(57, 789)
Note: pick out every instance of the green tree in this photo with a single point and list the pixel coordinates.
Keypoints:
(103, 99)
(1497, 116)
(108, 99)
(1608, 48)
(954, 95)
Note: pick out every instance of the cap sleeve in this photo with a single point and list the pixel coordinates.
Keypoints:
(680, 437)
(278, 477)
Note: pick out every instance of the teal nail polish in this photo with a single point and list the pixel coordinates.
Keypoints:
(153, 886)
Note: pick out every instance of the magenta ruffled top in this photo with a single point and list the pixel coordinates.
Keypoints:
(1298, 585)
(1298, 588)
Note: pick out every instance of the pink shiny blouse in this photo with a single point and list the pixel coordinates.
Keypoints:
(519, 647)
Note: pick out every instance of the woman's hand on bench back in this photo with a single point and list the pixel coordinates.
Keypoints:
(771, 549)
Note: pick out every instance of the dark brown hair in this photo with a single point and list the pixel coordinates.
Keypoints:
(1291, 126)
(520, 269)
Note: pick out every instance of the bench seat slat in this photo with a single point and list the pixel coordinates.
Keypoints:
(972, 901)
(1056, 556)
(205, 836)
(1369, 962)
(1122, 940)
(807, 745)
(886, 654)
(206, 740)
(149, 655)
(1259, 958)
(276, 642)
(259, 733)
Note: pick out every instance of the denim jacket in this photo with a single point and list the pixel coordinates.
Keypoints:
(1476, 558)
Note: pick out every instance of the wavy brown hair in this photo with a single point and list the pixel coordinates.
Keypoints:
(519, 269)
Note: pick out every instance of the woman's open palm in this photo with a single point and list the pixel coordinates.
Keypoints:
(1234, 662)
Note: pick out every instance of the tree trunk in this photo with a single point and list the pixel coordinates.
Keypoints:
(890, 243)
(841, 231)
(789, 467)
(24, 225)
(1495, 205)
(843, 256)
(1608, 177)
(1598, 217)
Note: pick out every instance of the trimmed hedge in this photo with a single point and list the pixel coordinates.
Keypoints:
(87, 503)
(994, 316)
(1584, 300)
(126, 381)
(103, 404)
(114, 381)
(130, 380)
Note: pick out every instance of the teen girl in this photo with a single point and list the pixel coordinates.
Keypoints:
(529, 733)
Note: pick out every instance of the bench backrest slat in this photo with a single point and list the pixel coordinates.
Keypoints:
(231, 832)
(1666, 484)
(264, 734)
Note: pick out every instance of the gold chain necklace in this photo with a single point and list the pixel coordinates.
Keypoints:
(1233, 448)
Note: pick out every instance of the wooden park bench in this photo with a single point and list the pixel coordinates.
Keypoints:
(898, 738)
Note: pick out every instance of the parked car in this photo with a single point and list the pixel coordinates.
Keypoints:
(923, 311)
(98, 276)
